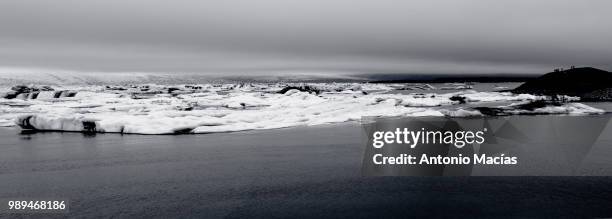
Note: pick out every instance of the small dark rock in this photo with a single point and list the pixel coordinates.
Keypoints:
(183, 131)
(89, 126)
(458, 98)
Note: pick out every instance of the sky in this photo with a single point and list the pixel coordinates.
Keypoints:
(308, 36)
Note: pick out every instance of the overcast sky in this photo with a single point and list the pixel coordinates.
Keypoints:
(306, 36)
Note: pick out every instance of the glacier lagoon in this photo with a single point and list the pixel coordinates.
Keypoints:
(229, 107)
(310, 167)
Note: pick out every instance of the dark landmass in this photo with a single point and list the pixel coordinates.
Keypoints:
(590, 84)
(390, 78)
(444, 78)
(173, 79)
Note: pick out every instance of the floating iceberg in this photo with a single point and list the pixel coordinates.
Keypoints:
(540, 107)
(209, 108)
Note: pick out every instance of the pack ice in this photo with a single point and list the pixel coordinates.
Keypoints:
(209, 108)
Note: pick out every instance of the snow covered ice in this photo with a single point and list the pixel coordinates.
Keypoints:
(209, 108)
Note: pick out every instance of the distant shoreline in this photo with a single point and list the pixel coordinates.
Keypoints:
(451, 78)
(170, 79)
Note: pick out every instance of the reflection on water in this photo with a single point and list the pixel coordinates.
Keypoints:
(26, 134)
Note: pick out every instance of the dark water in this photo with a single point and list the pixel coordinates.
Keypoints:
(297, 172)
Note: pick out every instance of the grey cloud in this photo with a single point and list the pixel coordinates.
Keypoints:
(318, 36)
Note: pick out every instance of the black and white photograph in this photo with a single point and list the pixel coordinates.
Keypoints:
(305, 109)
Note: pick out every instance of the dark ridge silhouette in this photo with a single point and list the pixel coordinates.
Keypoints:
(306, 88)
(590, 84)
(447, 78)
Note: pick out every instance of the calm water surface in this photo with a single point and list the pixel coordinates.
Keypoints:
(296, 172)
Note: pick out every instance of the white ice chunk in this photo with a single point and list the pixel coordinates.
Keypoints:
(238, 107)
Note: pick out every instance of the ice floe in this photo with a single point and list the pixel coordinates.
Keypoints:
(209, 108)
(540, 107)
